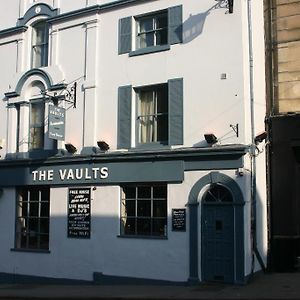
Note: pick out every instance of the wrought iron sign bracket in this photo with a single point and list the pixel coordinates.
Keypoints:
(68, 94)
(225, 4)
(235, 128)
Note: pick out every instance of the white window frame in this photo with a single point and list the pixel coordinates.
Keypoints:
(155, 30)
(155, 115)
(39, 60)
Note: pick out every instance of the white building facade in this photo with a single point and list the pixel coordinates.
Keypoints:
(128, 140)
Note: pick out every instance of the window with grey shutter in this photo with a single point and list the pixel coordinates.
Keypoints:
(124, 116)
(125, 28)
(175, 111)
(175, 24)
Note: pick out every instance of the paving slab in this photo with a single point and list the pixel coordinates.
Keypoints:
(262, 286)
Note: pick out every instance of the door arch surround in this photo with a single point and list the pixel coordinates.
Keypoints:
(194, 227)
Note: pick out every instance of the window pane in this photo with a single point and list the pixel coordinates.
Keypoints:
(146, 24)
(161, 21)
(160, 192)
(37, 125)
(40, 33)
(218, 193)
(36, 138)
(44, 209)
(23, 209)
(37, 113)
(159, 227)
(146, 39)
(162, 128)
(144, 226)
(128, 226)
(159, 208)
(162, 99)
(44, 226)
(34, 195)
(33, 226)
(130, 208)
(33, 242)
(162, 37)
(34, 209)
(144, 192)
(45, 193)
(144, 208)
(44, 241)
(24, 195)
(129, 192)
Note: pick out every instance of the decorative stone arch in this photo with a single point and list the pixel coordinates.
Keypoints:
(45, 77)
(238, 202)
(40, 9)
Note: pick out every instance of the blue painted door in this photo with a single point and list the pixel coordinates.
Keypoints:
(217, 249)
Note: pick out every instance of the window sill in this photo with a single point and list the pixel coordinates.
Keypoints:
(30, 250)
(151, 146)
(148, 50)
(147, 237)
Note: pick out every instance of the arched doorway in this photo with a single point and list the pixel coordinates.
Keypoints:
(222, 203)
(217, 235)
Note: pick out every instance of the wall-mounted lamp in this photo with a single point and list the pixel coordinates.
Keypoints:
(260, 137)
(70, 148)
(103, 145)
(210, 138)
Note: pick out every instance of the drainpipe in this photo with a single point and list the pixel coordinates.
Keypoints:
(253, 148)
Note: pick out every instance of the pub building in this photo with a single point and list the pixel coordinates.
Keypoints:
(128, 149)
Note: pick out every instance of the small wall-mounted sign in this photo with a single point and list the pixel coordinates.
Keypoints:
(56, 119)
(79, 213)
(179, 219)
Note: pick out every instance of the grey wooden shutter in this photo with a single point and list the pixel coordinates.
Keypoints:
(125, 28)
(175, 24)
(124, 116)
(175, 90)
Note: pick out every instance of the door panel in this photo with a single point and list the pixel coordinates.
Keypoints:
(217, 243)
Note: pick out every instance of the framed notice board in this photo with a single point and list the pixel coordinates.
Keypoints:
(79, 213)
(179, 219)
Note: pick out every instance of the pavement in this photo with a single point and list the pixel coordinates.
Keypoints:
(261, 286)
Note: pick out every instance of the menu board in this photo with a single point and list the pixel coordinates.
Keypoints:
(79, 213)
(178, 219)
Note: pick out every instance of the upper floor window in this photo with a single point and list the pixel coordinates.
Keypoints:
(39, 45)
(152, 30)
(158, 111)
(153, 114)
(36, 125)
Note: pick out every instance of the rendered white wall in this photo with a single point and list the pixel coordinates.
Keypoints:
(210, 104)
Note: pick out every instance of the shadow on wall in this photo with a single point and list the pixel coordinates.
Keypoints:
(194, 25)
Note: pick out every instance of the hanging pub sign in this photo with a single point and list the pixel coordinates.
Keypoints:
(178, 219)
(79, 213)
(56, 121)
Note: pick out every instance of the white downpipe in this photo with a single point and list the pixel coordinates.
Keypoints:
(253, 146)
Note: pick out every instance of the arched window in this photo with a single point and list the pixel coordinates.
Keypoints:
(217, 193)
(39, 44)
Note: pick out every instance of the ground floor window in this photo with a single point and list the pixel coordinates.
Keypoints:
(32, 218)
(144, 210)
